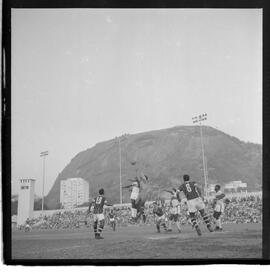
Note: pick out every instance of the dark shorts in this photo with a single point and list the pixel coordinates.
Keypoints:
(173, 217)
(216, 214)
(133, 203)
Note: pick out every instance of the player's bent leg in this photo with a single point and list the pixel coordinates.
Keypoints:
(176, 220)
(95, 227)
(170, 223)
(217, 219)
(158, 226)
(178, 226)
(163, 224)
(194, 223)
(206, 219)
(100, 228)
(144, 218)
(133, 209)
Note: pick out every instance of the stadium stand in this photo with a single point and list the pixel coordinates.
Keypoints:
(241, 209)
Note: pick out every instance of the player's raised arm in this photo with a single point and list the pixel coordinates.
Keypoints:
(107, 204)
(90, 206)
(127, 186)
(220, 196)
(168, 191)
(87, 212)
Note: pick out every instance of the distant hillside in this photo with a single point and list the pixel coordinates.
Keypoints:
(164, 155)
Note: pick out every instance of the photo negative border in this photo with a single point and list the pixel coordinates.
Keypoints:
(7, 120)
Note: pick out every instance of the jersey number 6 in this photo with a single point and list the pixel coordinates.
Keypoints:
(188, 188)
(98, 200)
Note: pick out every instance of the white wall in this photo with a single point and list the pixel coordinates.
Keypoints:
(25, 200)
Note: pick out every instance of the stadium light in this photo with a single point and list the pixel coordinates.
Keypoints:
(43, 154)
(199, 119)
(120, 166)
(120, 170)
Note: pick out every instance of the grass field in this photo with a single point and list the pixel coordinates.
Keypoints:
(140, 242)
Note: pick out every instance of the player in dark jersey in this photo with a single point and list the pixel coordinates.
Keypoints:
(96, 206)
(160, 216)
(192, 193)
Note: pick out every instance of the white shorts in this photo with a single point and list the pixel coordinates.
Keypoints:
(134, 196)
(195, 204)
(98, 217)
(219, 208)
(161, 218)
(175, 210)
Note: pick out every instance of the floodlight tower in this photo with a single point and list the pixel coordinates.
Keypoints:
(43, 154)
(120, 170)
(199, 119)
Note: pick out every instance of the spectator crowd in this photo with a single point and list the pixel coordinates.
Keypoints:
(238, 210)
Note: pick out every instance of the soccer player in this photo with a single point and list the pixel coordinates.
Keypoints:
(134, 197)
(27, 227)
(137, 196)
(112, 220)
(160, 216)
(192, 193)
(97, 206)
(218, 205)
(140, 203)
(174, 210)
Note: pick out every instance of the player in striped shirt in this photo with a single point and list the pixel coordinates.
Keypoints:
(218, 205)
(174, 212)
(192, 193)
(97, 207)
(160, 216)
(112, 219)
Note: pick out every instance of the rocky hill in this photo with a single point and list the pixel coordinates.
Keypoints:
(164, 155)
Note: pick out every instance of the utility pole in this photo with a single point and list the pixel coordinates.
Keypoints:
(199, 119)
(43, 154)
(120, 170)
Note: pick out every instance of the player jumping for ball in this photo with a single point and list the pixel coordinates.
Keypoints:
(137, 197)
(195, 203)
(97, 206)
(134, 197)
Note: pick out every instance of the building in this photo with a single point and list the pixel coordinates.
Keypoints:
(73, 192)
(25, 200)
(235, 186)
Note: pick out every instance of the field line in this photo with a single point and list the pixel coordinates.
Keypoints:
(48, 250)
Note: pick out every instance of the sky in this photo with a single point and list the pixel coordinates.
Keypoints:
(82, 76)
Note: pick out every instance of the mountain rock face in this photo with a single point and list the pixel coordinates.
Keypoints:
(164, 156)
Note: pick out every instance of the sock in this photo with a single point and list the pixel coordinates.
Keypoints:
(133, 212)
(100, 227)
(194, 223)
(95, 228)
(144, 218)
(218, 223)
(206, 220)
